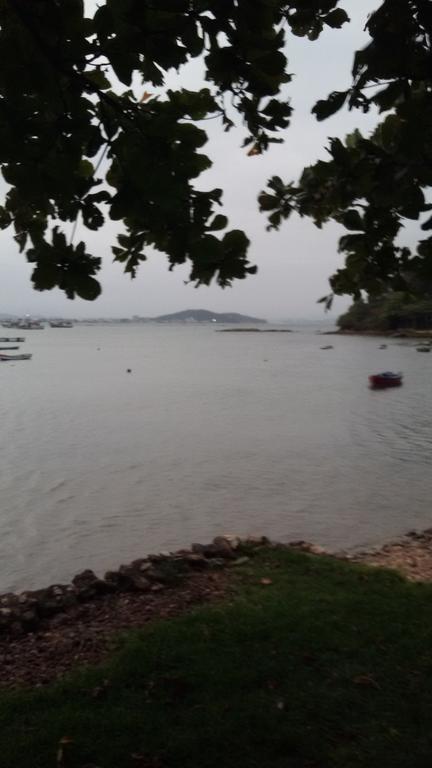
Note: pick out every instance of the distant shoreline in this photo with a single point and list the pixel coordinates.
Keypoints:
(409, 333)
(254, 330)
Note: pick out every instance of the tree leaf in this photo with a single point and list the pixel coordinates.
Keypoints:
(219, 222)
(427, 224)
(98, 78)
(268, 202)
(352, 220)
(336, 18)
(327, 107)
(87, 288)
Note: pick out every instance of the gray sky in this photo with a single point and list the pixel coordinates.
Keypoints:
(294, 263)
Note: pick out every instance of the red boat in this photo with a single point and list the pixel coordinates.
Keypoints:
(384, 380)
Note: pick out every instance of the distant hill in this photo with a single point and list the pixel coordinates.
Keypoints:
(204, 316)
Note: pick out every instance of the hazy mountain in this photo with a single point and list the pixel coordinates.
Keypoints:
(204, 316)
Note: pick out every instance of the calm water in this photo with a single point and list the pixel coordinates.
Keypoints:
(210, 433)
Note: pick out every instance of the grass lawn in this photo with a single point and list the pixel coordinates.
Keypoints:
(329, 666)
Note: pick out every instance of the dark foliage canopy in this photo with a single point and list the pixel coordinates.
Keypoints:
(389, 312)
(372, 185)
(83, 137)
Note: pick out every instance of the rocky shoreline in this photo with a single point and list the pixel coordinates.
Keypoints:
(46, 632)
(410, 554)
(27, 611)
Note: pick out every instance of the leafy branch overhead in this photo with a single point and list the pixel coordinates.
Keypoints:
(373, 185)
(74, 144)
(89, 132)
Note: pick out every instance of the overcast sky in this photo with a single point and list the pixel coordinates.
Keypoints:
(294, 263)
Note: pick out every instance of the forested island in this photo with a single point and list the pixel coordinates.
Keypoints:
(391, 313)
(204, 316)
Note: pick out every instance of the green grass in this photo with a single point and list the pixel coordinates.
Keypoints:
(330, 666)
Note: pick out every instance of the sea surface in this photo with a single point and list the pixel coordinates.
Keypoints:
(210, 433)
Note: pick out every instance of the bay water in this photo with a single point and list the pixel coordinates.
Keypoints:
(210, 433)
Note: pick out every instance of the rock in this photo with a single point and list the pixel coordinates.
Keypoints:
(158, 558)
(88, 585)
(15, 628)
(84, 578)
(233, 541)
(315, 549)
(29, 620)
(59, 620)
(23, 598)
(115, 578)
(139, 582)
(169, 572)
(219, 548)
(58, 591)
(128, 579)
(145, 567)
(307, 546)
(198, 562)
(240, 561)
(8, 599)
(256, 541)
(47, 607)
(198, 549)
(223, 547)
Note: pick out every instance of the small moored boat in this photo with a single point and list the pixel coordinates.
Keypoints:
(8, 339)
(423, 349)
(5, 358)
(25, 325)
(385, 379)
(61, 324)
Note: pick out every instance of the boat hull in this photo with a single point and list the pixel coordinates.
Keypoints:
(61, 325)
(380, 381)
(7, 358)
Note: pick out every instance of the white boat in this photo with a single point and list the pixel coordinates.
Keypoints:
(5, 358)
(30, 325)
